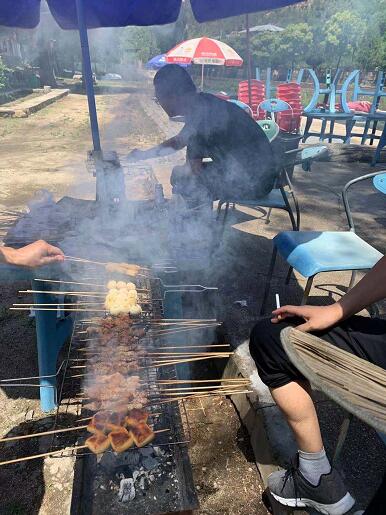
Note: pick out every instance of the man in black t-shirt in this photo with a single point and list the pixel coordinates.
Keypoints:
(241, 163)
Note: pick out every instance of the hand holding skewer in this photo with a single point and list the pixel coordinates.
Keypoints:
(35, 254)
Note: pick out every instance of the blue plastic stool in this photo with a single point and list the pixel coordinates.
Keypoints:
(313, 252)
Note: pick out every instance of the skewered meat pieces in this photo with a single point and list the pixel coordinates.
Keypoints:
(123, 268)
(142, 434)
(121, 440)
(116, 421)
(139, 402)
(135, 416)
(97, 425)
(106, 368)
(98, 443)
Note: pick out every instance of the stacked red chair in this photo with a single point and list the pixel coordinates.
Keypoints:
(289, 121)
(257, 96)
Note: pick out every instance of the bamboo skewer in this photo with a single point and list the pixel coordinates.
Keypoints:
(80, 310)
(156, 395)
(224, 391)
(171, 362)
(171, 356)
(89, 261)
(183, 381)
(42, 455)
(194, 388)
(32, 305)
(44, 433)
(177, 362)
(183, 398)
(58, 292)
(182, 330)
(184, 354)
(54, 453)
(69, 282)
(194, 346)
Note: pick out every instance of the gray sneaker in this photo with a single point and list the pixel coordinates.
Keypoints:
(330, 496)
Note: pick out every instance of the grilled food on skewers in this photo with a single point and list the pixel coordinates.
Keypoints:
(98, 443)
(119, 437)
(122, 298)
(123, 268)
(135, 416)
(116, 421)
(97, 425)
(142, 434)
(121, 440)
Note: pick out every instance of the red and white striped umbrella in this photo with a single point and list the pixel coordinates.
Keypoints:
(204, 51)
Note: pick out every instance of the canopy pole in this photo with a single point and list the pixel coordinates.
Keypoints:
(202, 77)
(248, 60)
(88, 75)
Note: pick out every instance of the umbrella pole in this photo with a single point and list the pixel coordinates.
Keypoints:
(88, 75)
(248, 60)
(202, 77)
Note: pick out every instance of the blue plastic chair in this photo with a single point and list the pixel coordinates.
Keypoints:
(270, 127)
(245, 107)
(274, 105)
(313, 252)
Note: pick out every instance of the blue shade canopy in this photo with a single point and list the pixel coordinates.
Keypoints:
(159, 61)
(120, 13)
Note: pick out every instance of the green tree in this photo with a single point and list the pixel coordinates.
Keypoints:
(263, 48)
(3, 75)
(343, 33)
(139, 42)
(294, 44)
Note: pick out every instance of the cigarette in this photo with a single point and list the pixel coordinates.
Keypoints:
(277, 298)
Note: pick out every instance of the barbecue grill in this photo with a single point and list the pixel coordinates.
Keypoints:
(154, 479)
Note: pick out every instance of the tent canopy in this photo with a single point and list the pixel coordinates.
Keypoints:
(120, 13)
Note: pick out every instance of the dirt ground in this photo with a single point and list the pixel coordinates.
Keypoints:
(47, 151)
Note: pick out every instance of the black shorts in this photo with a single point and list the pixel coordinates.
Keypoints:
(362, 336)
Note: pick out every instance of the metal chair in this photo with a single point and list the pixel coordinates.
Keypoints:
(283, 193)
(313, 252)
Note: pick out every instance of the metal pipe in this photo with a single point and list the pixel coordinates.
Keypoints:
(87, 74)
(248, 60)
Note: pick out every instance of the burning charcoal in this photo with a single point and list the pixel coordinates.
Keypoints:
(150, 463)
(157, 451)
(126, 490)
(132, 458)
(146, 451)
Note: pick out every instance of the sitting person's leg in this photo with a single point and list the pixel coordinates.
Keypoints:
(316, 483)
(189, 186)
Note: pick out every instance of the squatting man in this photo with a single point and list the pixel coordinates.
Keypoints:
(241, 164)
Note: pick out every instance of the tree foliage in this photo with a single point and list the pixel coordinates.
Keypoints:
(3, 76)
(343, 33)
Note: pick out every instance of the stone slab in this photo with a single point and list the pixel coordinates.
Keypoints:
(24, 109)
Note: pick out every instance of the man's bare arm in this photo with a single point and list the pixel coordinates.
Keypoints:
(165, 148)
(371, 288)
(35, 254)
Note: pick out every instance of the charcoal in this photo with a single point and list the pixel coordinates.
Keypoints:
(126, 490)
(146, 451)
(150, 463)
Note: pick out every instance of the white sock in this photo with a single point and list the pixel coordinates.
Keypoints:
(313, 464)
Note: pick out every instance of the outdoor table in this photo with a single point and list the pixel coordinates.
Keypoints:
(326, 116)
